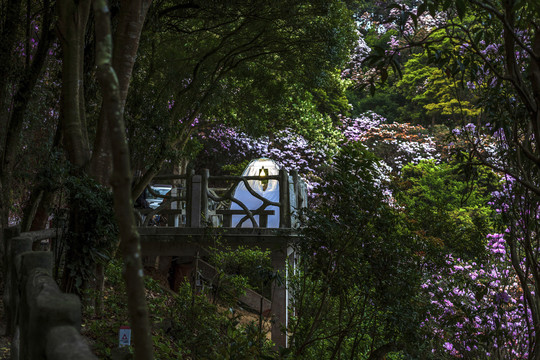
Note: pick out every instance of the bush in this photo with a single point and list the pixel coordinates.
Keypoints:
(447, 206)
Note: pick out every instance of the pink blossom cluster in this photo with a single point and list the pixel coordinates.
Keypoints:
(359, 54)
(407, 26)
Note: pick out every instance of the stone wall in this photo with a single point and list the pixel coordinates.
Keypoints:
(44, 322)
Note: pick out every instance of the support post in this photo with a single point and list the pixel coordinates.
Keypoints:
(195, 200)
(175, 205)
(296, 196)
(45, 307)
(279, 299)
(8, 235)
(189, 201)
(204, 195)
(284, 201)
(18, 246)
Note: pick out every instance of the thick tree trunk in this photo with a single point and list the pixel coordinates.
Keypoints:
(128, 32)
(126, 44)
(72, 20)
(121, 182)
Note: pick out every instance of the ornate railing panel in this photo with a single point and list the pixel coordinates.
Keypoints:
(205, 200)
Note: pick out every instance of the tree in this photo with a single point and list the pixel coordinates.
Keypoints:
(444, 100)
(447, 206)
(22, 67)
(73, 17)
(113, 106)
(495, 46)
(249, 64)
(359, 268)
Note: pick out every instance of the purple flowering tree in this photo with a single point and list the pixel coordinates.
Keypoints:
(495, 47)
(227, 146)
(476, 309)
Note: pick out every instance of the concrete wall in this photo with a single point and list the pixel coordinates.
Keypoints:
(44, 322)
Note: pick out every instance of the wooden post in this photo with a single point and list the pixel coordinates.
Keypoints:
(172, 220)
(204, 195)
(284, 201)
(195, 199)
(18, 246)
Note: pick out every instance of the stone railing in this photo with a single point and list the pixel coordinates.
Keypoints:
(44, 322)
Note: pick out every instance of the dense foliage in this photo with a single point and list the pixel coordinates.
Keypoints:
(359, 268)
(186, 323)
(447, 205)
(415, 124)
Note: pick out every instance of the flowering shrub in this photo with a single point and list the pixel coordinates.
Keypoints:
(477, 309)
(225, 145)
(487, 142)
(288, 148)
(357, 276)
(396, 144)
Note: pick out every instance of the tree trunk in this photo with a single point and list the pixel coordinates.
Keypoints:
(126, 44)
(128, 32)
(121, 183)
(72, 20)
(7, 45)
(13, 108)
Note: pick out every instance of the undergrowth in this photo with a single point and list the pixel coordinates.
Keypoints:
(186, 325)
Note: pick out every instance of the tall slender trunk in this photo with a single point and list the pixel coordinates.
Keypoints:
(72, 21)
(121, 183)
(126, 44)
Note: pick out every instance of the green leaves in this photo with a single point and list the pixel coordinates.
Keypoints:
(357, 275)
(447, 205)
(461, 7)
